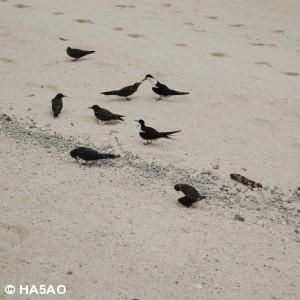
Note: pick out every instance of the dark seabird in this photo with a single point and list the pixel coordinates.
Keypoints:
(161, 89)
(125, 91)
(105, 115)
(191, 194)
(57, 104)
(88, 154)
(149, 133)
(77, 53)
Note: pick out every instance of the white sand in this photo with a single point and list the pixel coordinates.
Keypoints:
(242, 113)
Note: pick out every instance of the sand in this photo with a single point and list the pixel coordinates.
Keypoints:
(124, 237)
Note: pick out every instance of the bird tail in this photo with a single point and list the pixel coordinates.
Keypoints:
(110, 93)
(89, 52)
(166, 134)
(55, 113)
(119, 117)
(106, 155)
(172, 92)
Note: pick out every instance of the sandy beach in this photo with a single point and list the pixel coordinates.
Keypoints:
(114, 230)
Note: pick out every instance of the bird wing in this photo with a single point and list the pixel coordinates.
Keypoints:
(105, 114)
(162, 88)
(190, 191)
(87, 153)
(165, 91)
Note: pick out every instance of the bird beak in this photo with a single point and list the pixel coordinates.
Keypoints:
(65, 96)
(137, 121)
(89, 108)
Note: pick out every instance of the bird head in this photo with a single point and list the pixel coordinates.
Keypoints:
(94, 107)
(177, 187)
(151, 79)
(148, 76)
(60, 95)
(68, 49)
(142, 123)
(73, 153)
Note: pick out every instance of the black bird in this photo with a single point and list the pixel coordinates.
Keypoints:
(88, 154)
(191, 194)
(161, 89)
(125, 91)
(105, 115)
(57, 104)
(149, 133)
(77, 53)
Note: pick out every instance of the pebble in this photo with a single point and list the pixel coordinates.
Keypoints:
(238, 217)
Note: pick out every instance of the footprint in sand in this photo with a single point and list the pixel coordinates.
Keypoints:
(211, 17)
(7, 60)
(83, 21)
(180, 45)
(262, 44)
(188, 23)
(124, 6)
(21, 6)
(118, 28)
(263, 63)
(58, 13)
(291, 73)
(257, 122)
(295, 146)
(219, 54)
(11, 235)
(136, 35)
(199, 30)
(166, 5)
(278, 31)
(237, 25)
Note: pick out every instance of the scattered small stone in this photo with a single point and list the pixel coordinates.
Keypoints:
(297, 230)
(30, 95)
(284, 223)
(216, 167)
(238, 217)
(69, 273)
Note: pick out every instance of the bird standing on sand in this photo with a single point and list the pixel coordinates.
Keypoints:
(77, 53)
(191, 194)
(125, 91)
(57, 104)
(105, 115)
(149, 133)
(161, 89)
(89, 154)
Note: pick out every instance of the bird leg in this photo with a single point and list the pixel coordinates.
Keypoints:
(128, 99)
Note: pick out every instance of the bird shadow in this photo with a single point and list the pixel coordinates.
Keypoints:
(120, 99)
